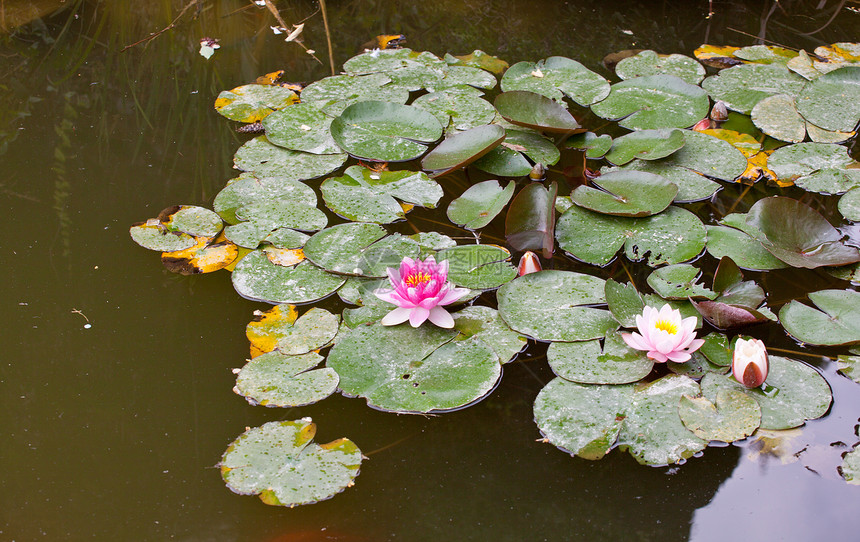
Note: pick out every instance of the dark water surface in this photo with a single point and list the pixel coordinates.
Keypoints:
(114, 432)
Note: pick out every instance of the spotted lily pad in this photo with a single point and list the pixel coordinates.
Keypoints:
(777, 116)
(587, 362)
(849, 365)
(555, 78)
(536, 111)
(741, 248)
(280, 462)
(248, 188)
(708, 155)
(624, 302)
(553, 306)
(478, 59)
(278, 380)
(817, 167)
(650, 63)
(692, 185)
(301, 127)
(479, 267)
(154, 235)
(595, 146)
(626, 193)
(384, 131)
(359, 248)
(279, 329)
(833, 100)
(406, 369)
(735, 416)
(271, 214)
(486, 324)
(645, 145)
(462, 149)
(679, 281)
(266, 160)
(457, 109)
(257, 278)
(793, 393)
(345, 90)
(480, 204)
(742, 87)
(836, 321)
(252, 103)
(512, 157)
(654, 101)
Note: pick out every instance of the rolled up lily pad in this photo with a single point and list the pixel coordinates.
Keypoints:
(280, 462)
(536, 111)
(735, 416)
(555, 78)
(836, 321)
(587, 362)
(462, 149)
(626, 193)
(278, 380)
(654, 101)
(257, 278)
(552, 306)
(480, 204)
(645, 145)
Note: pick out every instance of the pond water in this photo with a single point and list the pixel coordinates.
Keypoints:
(116, 379)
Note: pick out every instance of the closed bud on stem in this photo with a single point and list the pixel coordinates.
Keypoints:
(529, 263)
(719, 113)
(749, 362)
(538, 172)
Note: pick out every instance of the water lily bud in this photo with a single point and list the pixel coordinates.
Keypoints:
(749, 362)
(529, 263)
(704, 124)
(538, 172)
(719, 112)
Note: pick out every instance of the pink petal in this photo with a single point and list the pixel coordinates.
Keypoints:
(635, 340)
(695, 345)
(678, 357)
(417, 316)
(441, 318)
(657, 356)
(453, 295)
(397, 316)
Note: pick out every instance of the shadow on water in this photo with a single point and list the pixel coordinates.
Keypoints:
(113, 431)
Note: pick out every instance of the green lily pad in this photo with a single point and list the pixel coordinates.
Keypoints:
(406, 369)
(153, 235)
(708, 155)
(849, 205)
(833, 100)
(345, 90)
(718, 348)
(193, 220)
(777, 117)
(582, 419)
(555, 78)
(384, 131)
(595, 146)
(741, 248)
(536, 111)
(765, 54)
(836, 321)
(279, 462)
(458, 109)
(478, 59)
(301, 127)
(458, 76)
(692, 185)
(735, 416)
(248, 188)
(252, 103)
(645, 145)
(278, 380)
(797, 234)
(816, 167)
(281, 212)
(742, 87)
(552, 306)
(486, 324)
(624, 302)
(626, 193)
(267, 160)
(530, 221)
(793, 393)
(462, 149)
(257, 278)
(409, 69)
(509, 158)
(480, 204)
(679, 281)
(673, 236)
(587, 363)
(849, 365)
(479, 267)
(654, 101)
(313, 330)
(652, 431)
(359, 248)
(850, 468)
(650, 63)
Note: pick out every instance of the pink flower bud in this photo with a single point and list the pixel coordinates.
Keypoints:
(704, 124)
(529, 263)
(749, 362)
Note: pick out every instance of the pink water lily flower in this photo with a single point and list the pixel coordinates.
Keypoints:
(749, 362)
(664, 335)
(420, 291)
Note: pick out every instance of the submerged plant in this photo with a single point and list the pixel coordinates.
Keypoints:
(664, 335)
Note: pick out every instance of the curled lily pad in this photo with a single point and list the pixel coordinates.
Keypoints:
(626, 193)
(650, 63)
(735, 416)
(553, 306)
(280, 462)
(836, 321)
(645, 145)
(256, 277)
(654, 101)
(536, 111)
(679, 281)
(479, 267)
(266, 160)
(740, 247)
(480, 204)
(587, 362)
(406, 369)
(816, 167)
(486, 324)
(462, 149)
(742, 87)
(512, 157)
(252, 103)
(301, 127)
(278, 380)
(833, 100)
(530, 222)
(458, 109)
(384, 131)
(793, 393)
(555, 78)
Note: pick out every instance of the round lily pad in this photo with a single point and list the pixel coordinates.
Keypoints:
(283, 213)
(595, 146)
(692, 185)
(193, 220)
(248, 188)
(816, 167)
(626, 193)
(359, 248)
(479, 267)
(553, 306)
(458, 109)
(280, 462)
(555, 78)
(742, 87)
(654, 101)
(267, 160)
(536, 111)
(278, 380)
(793, 393)
(836, 321)
(257, 278)
(384, 131)
(587, 362)
(301, 127)
(708, 155)
(735, 416)
(462, 149)
(650, 63)
(153, 235)
(833, 100)
(849, 205)
(345, 90)
(645, 145)
(279, 329)
(406, 369)
(486, 324)
(480, 204)
(777, 117)
(252, 103)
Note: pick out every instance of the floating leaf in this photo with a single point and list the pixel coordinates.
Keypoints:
(252, 103)
(480, 203)
(650, 63)
(595, 146)
(480, 267)
(271, 214)
(833, 100)
(555, 78)
(673, 236)
(536, 111)
(587, 363)
(849, 365)
(645, 145)
(626, 193)
(777, 117)
(406, 369)
(850, 468)
(193, 220)
(278, 380)
(717, 56)
(248, 188)
(718, 349)
(486, 324)
(624, 302)
(279, 462)
(456, 108)
(257, 278)
(837, 320)
(849, 205)
(267, 160)
(551, 306)
(654, 101)
(301, 127)
(178, 228)
(359, 249)
(692, 186)
(154, 235)
(679, 281)
(530, 222)
(462, 149)
(735, 416)
(509, 158)
(742, 87)
(478, 59)
(793, 393)
(458, 76)
(816, 167)
(740, 247)
(278, 329)
(205, 256)
(345, 90)
(709, 155)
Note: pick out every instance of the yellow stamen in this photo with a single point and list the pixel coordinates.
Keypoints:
(415, 279)
(669, 327)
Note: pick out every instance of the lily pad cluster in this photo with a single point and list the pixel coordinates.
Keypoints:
(321, 210)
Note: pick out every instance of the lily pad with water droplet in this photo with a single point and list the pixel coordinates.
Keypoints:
(645, 145)
(301, 127)
(654, 101)
(345, 90)
(509, 158)
(384, 131)
(464, 75)
(461, 110)
(278, 329)
(479, 267)
(257, 278)
(742, 87)
(679, 281)
(833, 100)
(409, 370)
(259, 156)
(478, 59)
(248, 188)
(692, 186)
(480, 204)
(359, 248)
(536, 111)
(817, 167)
(587, 362)
(555, 78)
(624, 302)
(626, 193)
(595, 146)
(280, 462)
(553, 306)
(486, 324)
(793, 393)
(673, 236)
(153, 235)
(836, 321)
(650, 63)
(278, 380)
(275, 213)
(252, 103)
(735, 416)
(462, 149)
